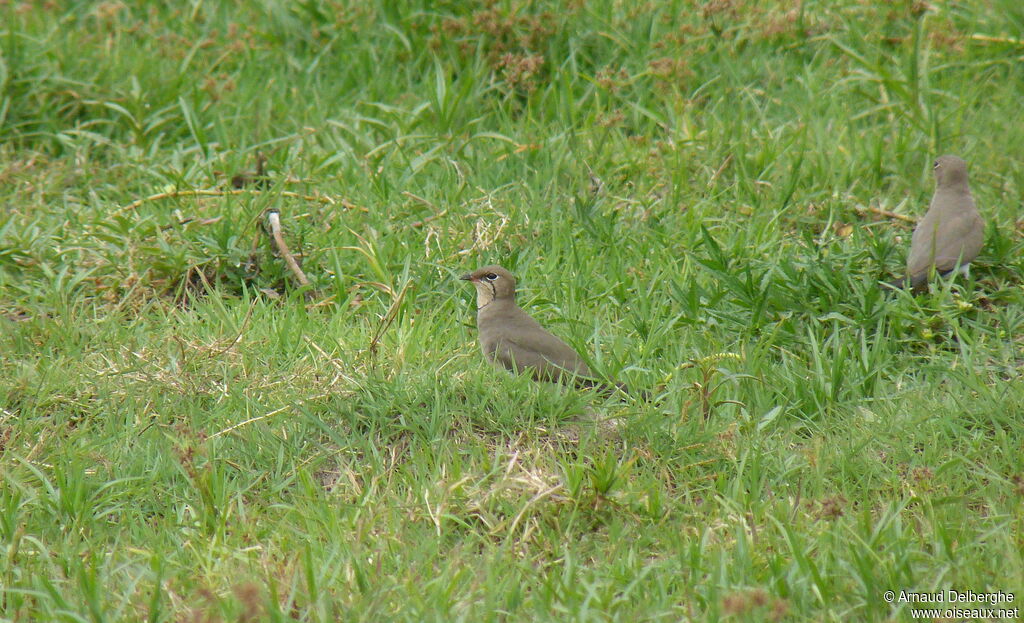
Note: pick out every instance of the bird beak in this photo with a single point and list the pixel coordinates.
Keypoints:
(467, 277)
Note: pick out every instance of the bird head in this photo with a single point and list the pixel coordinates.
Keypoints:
(492, 283)
(950, 172)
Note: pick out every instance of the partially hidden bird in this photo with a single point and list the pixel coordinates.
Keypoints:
(510, 338)
(951, 233)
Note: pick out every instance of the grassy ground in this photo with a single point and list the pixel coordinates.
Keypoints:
(186, 436)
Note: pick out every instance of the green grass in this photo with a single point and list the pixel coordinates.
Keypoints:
(185, 435)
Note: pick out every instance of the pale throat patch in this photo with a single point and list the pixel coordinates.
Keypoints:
(484, 294)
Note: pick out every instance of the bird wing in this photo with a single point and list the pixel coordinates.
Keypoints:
(550, 358)
(519, 342)
(955, 240)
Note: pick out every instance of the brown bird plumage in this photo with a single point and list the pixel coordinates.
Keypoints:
(509, 337)
(951, 233)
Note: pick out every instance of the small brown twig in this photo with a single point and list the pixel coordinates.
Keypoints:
(200, 192)
(991, 39)
(274, 220)
(720, 170)
(427, 203)
(388, 318)
(887, 214)
(265, 416)
(434, 217)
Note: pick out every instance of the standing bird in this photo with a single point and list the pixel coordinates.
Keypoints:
(511, 338)
(951, 233)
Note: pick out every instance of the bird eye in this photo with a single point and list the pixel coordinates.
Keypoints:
(490, 276)
(935, 165)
